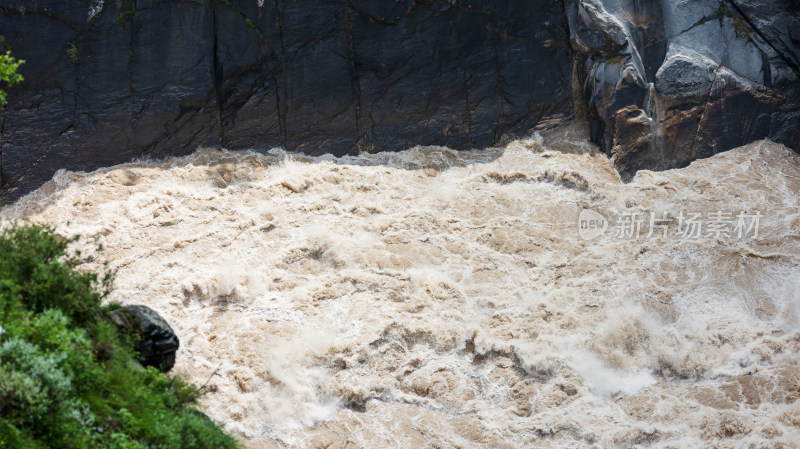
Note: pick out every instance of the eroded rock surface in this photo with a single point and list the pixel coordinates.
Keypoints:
(108, 81)
(706, 76)
(663, 82)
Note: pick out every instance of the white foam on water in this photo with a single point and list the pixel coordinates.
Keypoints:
(433, 298)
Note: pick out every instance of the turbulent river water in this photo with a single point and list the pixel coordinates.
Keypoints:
(442, 299)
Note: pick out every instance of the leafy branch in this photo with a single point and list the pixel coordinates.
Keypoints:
(8, 74)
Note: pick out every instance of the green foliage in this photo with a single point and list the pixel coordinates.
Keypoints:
(8, 74)
(615, 58)
(67, 379)
(740, 28)
(72, 53)
(34, 387)
(35, 263)
(128, 14)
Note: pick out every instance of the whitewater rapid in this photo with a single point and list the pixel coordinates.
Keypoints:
(442, 299)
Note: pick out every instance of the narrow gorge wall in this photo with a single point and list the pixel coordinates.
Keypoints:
(666, 82)
(108, 81)
(663, 82)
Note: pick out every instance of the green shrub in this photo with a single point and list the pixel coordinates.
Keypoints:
(35, 262)
(128, 14)
(8, 74)
(67, 379)
(72, 52)
(33, 385)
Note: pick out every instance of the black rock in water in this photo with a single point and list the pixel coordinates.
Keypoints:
(155, 340)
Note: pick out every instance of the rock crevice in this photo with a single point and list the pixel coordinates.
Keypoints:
(718, 70)
(336, 76)
(108, 84)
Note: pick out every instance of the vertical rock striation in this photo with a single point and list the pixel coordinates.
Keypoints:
(662, 82)
(112, 80)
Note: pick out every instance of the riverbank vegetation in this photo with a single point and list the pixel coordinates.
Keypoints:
(68, 379)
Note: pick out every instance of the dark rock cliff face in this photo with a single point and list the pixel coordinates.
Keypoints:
(670, 81)
(663, 82)
(112, 80)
